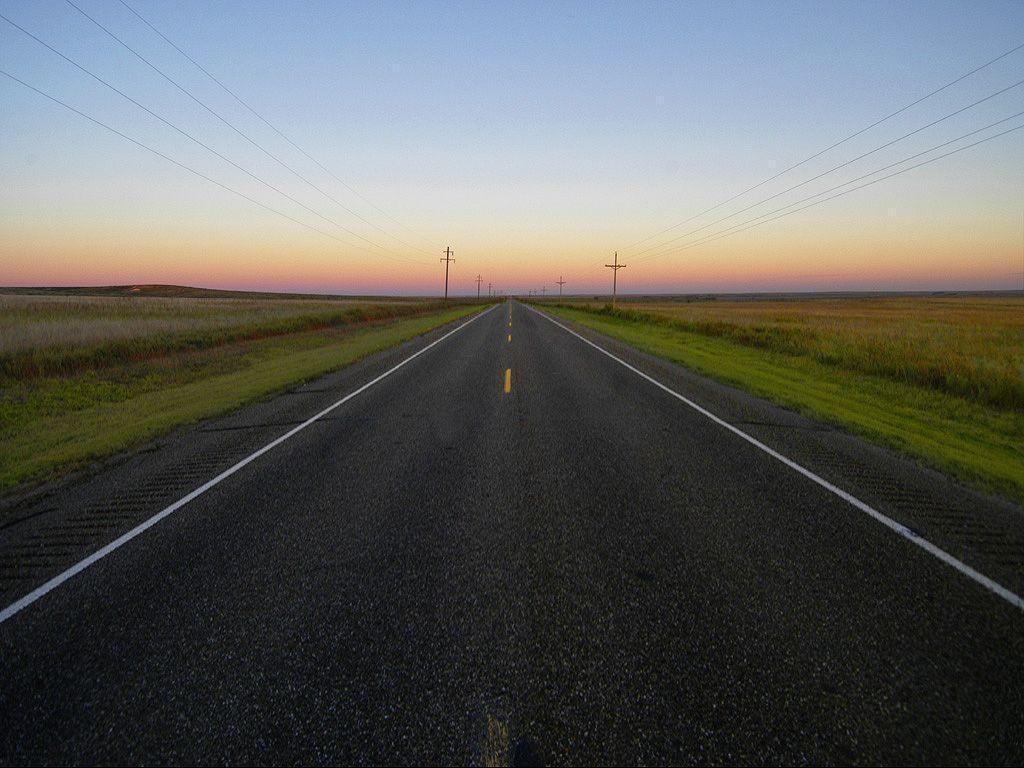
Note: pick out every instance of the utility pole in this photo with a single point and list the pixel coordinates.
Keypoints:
(544, 290)
(561, 282)
(489, 289)
(448, 253)
(615, 273)
(478, 281)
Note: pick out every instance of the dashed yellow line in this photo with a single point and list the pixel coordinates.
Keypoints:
(496, 750)
(508, 371)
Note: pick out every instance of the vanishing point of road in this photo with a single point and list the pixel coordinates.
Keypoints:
(501, 544)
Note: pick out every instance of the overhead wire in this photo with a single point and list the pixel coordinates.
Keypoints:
(221, 118)
(818, 154)
(830, 170)
(192, 138)
(276, 130)
(736, 229)
(180, 164)
(851, 181)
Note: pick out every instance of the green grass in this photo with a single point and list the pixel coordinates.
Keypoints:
(54, 421)
(968, 437)
(971, 346)
(60, 335)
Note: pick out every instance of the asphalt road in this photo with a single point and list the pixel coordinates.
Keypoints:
(579, 570)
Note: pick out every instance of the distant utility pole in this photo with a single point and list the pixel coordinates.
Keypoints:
(615, 273)
(448, 253)
(478, 281)
(544, 290)
(561, 282)
(489, 289)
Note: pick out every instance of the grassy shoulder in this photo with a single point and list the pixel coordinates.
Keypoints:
(974, 442)
(52, 425)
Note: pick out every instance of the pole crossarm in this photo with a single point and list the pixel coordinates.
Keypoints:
(447, 259)
(615, 273)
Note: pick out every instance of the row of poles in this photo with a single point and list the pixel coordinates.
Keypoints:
(449, 257)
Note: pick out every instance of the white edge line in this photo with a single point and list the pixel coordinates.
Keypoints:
(993, 586)
(120, 541)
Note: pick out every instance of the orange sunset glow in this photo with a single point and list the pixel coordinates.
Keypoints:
(528, 178)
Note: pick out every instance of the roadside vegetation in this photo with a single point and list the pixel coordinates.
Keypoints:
(61, 335)
(82, 376)
(940, 377)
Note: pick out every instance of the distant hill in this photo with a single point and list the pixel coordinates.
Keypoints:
(181, 291)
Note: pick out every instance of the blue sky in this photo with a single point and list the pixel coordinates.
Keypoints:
(531, 136)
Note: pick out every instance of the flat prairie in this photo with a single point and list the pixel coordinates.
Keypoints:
(941, 377)
(86, 375)
(972, 346)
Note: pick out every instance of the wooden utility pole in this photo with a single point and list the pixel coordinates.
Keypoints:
(561, 282)
(614, 273)
(489, 285)
(544, 290)
(478, 281)
(448, 253)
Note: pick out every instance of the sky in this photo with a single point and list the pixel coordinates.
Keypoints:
(534, 139)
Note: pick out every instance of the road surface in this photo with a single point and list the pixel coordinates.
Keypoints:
(513, 548)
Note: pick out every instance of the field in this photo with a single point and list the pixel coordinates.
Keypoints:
(83, 376)
(940, 377)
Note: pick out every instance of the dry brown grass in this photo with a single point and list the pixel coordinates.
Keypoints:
(62, 334)
(937, 377)
(969, 346)
(39, 322)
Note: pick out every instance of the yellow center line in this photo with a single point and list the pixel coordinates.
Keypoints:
(510, 337)
(508, 380)
(497, 747)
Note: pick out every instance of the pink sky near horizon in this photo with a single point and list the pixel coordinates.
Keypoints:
(802, 256)
(535, 155)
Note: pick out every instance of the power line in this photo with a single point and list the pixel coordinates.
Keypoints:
(729, 231)
(832, 169)
(830, 147)
(448, 259)
(192, 138)
(230, 125)
(847, 183)
(274, 128)
(179, 164)
(615, 267)
(838, 186)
